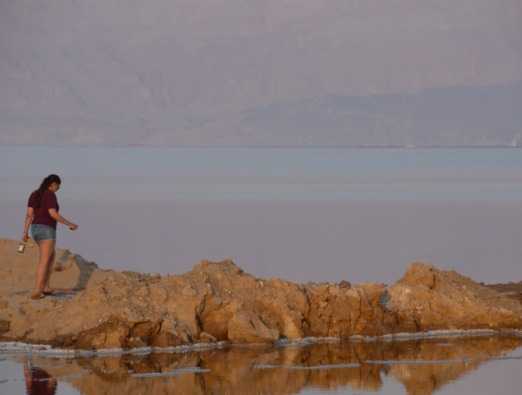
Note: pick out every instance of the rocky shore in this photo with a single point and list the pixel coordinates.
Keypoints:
(217, 301)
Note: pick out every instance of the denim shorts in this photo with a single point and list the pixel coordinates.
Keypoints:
(42, 232)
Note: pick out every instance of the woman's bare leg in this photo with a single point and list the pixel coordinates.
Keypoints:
(49, 270)
(45, 247)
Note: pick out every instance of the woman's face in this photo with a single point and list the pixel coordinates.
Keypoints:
(54, 186)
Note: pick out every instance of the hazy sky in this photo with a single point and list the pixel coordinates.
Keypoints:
(186, 71)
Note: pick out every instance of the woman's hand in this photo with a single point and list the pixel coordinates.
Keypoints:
(58, 218)
(25, 237)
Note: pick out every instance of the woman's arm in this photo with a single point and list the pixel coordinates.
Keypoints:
(29, 216)
(57, 217)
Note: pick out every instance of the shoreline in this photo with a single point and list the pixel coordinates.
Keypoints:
(43, 350)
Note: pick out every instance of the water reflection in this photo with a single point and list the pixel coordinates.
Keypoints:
(38, 381)
(422, 367)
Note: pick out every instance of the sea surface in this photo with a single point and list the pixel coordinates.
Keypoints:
(313, 214)
(305, 214)
(465, 366)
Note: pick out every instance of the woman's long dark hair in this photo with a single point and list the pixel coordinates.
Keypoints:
(45, 185)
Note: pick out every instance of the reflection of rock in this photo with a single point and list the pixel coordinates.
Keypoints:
(284, 370)
(219, 301)
(450, 361)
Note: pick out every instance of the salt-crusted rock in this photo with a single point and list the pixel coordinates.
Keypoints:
(218, 301)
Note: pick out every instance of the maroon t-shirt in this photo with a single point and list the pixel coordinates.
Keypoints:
(41, 209)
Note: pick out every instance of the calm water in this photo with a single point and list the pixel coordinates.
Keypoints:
(303, 214)
(444, 366)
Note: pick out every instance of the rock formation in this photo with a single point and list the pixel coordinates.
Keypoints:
(512, 290)
(217, 301)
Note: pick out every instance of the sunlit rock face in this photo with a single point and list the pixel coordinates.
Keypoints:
(511, 290)
(422, 367)
(217, 301)
(427, 298)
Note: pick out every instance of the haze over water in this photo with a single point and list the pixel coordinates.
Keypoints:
(309, 214)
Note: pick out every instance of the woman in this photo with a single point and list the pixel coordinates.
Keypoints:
(42, 215)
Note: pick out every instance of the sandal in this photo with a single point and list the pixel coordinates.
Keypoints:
(40, 295)
(50, 292)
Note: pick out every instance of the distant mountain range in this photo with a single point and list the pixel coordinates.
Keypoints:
(463, 116)
(261, 72)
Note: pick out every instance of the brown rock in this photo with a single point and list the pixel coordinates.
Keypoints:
(218, 301)
(110, 334)
(145, 331)
(247, 327)
(4, 326)
(345, 284)
(427, 299)
(170, 335)
(420, 274)
(166, 339)
(206, 337)
(510, 290)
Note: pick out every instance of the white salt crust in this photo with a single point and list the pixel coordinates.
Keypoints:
(46, 350)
